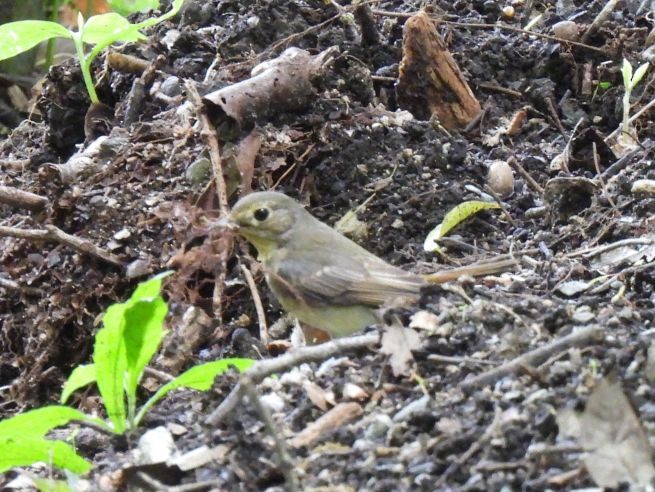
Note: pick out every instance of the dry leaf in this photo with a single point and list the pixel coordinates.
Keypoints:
(398, 343)
(617, 448)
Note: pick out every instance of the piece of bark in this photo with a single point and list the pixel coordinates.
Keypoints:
(275, 86)
(429, 81)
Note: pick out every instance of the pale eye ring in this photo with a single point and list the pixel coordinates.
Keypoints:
(261, 214)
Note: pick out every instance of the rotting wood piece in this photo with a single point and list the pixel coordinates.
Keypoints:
(429, 81)
(278, 85)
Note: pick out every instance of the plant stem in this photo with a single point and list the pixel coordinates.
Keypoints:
(626, 109)
(85, 66)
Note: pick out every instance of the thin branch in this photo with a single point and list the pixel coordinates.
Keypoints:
(264, 368)
(632, 119)
(284, 460)
(476, 25)
(13, 285)
(208, 133)
(579, 338)
(591, 252)
(53, 233)
(512, 161)
(259, 307)
(599, 20)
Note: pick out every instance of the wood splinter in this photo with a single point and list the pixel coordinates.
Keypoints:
(429, 82)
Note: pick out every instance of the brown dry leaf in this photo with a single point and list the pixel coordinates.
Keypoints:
(611, 433)
(398, 343)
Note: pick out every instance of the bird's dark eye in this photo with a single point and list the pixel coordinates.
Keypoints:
(261, 214)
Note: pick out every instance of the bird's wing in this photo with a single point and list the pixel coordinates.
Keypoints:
(343, 280)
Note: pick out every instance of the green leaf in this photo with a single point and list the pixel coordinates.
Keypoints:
(17, 37)
(111, 364)
(28, 449)
(143, 334)
(80, 377)
(127, 7)
(639, 74)
(626, 71)
(175, 8)
(149, 289)
(50, 485)
(200, 378)
(39, 422)
(109, 28)
(452, 219)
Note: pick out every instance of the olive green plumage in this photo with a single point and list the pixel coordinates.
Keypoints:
(318, 275)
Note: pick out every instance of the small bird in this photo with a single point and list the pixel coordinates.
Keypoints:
(318, 275)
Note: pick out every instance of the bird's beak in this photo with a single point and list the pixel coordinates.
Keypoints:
(226, 223)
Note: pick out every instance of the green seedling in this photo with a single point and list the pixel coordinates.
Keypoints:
(130, 337)
(452, 219)
(99, 31)
(630, 81)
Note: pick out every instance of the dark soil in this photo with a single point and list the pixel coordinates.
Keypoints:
(349, 144)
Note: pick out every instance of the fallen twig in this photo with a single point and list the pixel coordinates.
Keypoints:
(291, 359)
(332, 419)
(599, 20)
(536, 356)
(208, 132)
(23, 199)
(284, 460)
(474, 448)
(53, 233)
(13, 285)
(259, 307)
(477, 25)
(512, 161)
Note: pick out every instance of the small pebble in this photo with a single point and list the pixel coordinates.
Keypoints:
(122, 234)
(567, 30)
(500, 178)
(643, 187)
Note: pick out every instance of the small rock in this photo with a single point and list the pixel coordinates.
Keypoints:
(353, 392)
(411, 408)
(171, 87)
(508, 12)
(500, 178)
(156, 446)
(273, 401)
(122, 234)
(643, 187)
(567, 30)
(199, 171)
(583, 315)
(379, 427)
(138, 268)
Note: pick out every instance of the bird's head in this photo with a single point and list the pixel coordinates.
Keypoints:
(266, 219)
